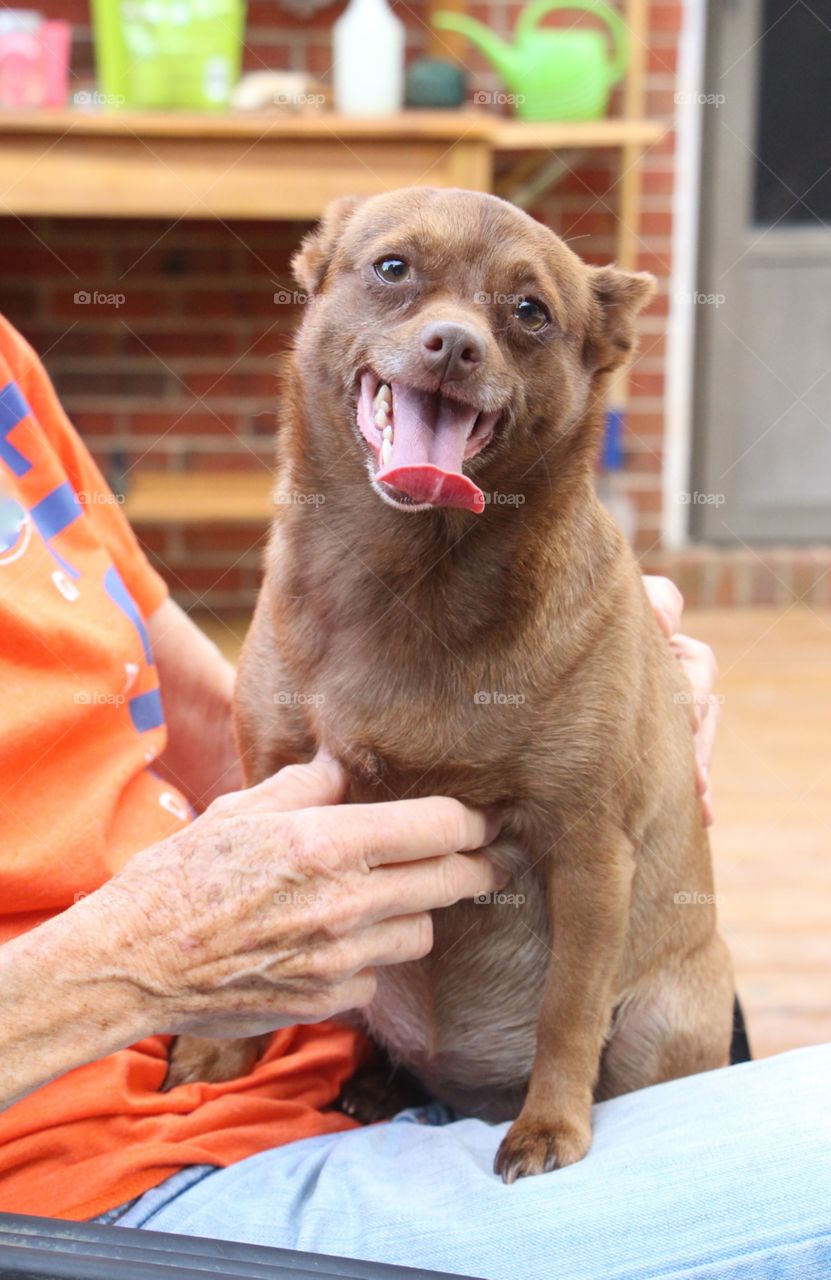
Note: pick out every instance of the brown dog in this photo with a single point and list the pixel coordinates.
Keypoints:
(456, 614)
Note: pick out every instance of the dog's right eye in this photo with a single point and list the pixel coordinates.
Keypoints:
(532, 315)
(392, 270)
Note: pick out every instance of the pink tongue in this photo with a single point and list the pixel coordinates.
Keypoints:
(428, 449)
(426, 483)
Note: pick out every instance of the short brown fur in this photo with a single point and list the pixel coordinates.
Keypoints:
(509, 659)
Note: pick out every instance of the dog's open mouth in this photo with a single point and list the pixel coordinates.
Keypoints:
(419, 442)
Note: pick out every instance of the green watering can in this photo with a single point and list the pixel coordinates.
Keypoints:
(554, 74)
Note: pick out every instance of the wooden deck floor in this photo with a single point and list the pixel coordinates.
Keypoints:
(772, 836)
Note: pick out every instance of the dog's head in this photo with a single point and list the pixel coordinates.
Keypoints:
(449, 328)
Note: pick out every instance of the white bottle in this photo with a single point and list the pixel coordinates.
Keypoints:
(368, 52)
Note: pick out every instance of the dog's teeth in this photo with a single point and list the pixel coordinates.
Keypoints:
(386, 452)
(388, 433)
(383, 400)
(382, 418)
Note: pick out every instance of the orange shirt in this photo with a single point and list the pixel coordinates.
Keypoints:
(81, 726)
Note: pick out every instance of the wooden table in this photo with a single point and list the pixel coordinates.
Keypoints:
(262, 165)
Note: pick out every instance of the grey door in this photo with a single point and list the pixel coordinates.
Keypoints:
(762, 456)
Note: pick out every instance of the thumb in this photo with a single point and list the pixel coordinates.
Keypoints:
(302, 786)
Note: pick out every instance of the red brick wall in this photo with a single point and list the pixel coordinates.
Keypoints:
(181, 374)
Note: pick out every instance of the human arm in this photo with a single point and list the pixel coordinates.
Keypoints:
(197, 685)
(271, 909)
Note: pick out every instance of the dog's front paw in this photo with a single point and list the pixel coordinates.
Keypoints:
(538, 1146)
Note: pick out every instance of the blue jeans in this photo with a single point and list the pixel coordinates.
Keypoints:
(721, 1175)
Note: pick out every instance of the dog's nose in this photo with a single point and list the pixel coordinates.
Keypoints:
(451, 350)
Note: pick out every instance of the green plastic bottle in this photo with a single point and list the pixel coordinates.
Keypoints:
(168, 54)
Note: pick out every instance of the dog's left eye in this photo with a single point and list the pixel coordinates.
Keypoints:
(392, 270)
(532, 315)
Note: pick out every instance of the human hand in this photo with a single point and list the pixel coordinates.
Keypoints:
(699, 664)
(276, 906)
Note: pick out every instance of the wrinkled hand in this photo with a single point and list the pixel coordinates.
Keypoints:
(699, 664)
(278, 903)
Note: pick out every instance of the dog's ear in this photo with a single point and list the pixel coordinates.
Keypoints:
(312, 259)
(617, 297)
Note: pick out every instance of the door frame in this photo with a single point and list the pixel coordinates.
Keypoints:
(677, 469)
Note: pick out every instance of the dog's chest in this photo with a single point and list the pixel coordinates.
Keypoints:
(464, 1019)
(418, 711)
(406, 686)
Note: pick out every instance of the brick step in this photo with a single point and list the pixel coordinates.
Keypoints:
(712, 576)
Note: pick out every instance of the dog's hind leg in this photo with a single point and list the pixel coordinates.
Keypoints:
(379, 1090)
(677, 1022)
(193, 1058)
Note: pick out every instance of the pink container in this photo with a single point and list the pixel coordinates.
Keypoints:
(55, 41)
(34, 60)
(21, 59)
